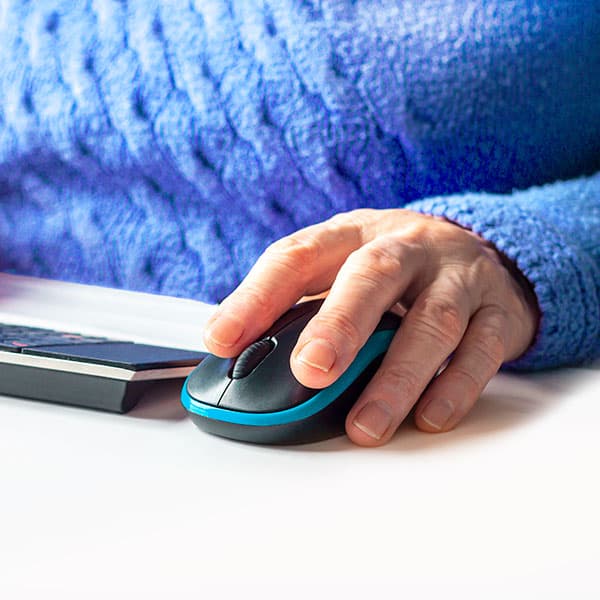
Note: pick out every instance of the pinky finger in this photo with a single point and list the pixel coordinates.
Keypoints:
(476, 360)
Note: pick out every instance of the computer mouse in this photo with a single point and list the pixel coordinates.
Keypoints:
(256, 398)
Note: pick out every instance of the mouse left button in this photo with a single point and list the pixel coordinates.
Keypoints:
(209, 380)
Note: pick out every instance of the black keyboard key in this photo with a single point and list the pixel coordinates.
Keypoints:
(134, 357)
(56, 340)
(15, 337)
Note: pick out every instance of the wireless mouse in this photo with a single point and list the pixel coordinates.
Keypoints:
(256, 398)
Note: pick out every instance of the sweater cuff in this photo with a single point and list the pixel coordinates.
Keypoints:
(562, 274)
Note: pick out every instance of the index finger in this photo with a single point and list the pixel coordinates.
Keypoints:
(304, 263)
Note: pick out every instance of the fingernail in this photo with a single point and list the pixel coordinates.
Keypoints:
(374, 419)
(225, 330)
(319, 354)
(438, 413)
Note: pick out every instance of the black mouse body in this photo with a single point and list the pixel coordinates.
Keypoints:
(256, 398)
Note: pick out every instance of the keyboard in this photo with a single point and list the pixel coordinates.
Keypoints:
(83, 370)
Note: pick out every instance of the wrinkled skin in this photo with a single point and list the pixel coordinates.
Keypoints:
(460, 298)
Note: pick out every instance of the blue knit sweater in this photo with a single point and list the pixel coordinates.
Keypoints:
(160, 146)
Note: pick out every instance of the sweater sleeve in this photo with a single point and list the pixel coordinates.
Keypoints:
(552, 234)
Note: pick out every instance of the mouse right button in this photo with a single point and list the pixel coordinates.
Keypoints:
(306, 310)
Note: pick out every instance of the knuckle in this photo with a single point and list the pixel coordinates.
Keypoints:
(458, 279)
(471, 382)
(374, 264)
(496, 280)
(440, 319)
(381, 260)
(490, 347)
(294, 252)
(356, 220)
(399, 377)
(418, 232)
(489, 268)
(259, 300)
(342, 324)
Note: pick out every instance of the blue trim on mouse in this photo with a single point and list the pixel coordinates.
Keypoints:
(376, 345)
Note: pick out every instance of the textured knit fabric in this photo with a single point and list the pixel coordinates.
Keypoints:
(160, 146)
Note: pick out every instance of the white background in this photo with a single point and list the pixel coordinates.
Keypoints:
(96, 505)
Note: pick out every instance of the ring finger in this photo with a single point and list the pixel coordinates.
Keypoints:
(431, 330)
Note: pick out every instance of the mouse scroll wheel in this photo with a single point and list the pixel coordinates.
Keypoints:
(251, 357)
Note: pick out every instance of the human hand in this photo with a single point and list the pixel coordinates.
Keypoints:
(462, 302)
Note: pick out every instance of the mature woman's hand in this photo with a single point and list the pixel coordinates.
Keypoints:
(461, 298)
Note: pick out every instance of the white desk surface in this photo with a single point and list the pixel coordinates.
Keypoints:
(97, 505)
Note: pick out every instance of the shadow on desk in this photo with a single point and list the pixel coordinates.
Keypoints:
(509, 401)
(161, 402)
